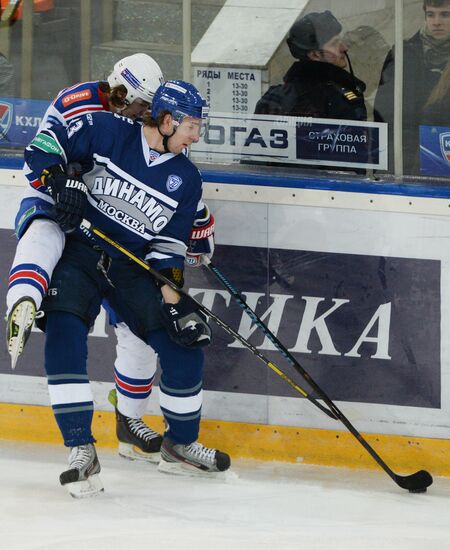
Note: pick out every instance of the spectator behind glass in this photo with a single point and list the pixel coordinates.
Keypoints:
(437, 108)
(367, 49)
(424, 57)
(318, 84)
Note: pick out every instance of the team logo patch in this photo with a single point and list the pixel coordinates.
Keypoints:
(153, 155)
(444, 140)
(173, 182)
(6, 112)
(76, 96)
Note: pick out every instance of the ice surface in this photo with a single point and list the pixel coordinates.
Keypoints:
(258, 506)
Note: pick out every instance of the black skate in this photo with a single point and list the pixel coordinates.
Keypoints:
(82, 479)
(136, 440)
(192, 459)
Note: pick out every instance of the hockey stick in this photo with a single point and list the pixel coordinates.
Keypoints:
(207, 263)
(85, 225)
(415, 483)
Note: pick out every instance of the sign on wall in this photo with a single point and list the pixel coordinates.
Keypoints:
(235, 90)
(293, 140)
(349, 319)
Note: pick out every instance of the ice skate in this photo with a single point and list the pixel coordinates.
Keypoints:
(193, 459)
(137, 441)
(19, 323)
(82, 479)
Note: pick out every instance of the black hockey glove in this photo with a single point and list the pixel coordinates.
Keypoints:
(70, 195)
(186, 324)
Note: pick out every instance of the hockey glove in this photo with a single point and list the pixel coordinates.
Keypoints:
(201, 239)
(186, 324)
(70, 195)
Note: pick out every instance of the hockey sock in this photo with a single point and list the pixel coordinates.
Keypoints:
(180, 388)
(134, 371)
(68, 382)
(37, 254)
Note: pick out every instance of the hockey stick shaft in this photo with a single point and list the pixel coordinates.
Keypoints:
(285, 352)
(86, 225)
(418, 481)
(251, 313)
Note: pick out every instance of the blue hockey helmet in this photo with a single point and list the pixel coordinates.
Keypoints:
(181, 99)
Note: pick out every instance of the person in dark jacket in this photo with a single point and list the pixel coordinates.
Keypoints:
(437, 108)
(318, 84)
(425, 56)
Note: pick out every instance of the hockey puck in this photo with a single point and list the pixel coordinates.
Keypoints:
(424, 490)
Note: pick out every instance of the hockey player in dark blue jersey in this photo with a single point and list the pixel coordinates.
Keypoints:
(128, 91)
(139, 188)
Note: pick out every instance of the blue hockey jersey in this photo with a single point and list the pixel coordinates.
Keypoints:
(146, 205)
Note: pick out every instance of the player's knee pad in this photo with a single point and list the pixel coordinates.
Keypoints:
(46, 233)
(135, 358)
(42, 244)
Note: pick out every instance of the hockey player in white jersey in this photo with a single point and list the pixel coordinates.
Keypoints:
(140, 189)
(129, 91)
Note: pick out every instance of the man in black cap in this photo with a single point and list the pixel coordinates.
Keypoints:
(318, 84)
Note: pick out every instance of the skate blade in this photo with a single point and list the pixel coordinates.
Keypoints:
(23, 319)
(184, 469)
(130, 452)
(87, 488)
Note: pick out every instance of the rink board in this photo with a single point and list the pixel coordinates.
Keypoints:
(353, 284)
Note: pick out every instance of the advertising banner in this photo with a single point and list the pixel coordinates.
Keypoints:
(293, 140)
(435, 151)
(19, 120)
(349, 319)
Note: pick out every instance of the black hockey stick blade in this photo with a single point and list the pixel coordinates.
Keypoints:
(414, 483)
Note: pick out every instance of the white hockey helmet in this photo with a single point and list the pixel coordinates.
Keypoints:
(140, 74)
